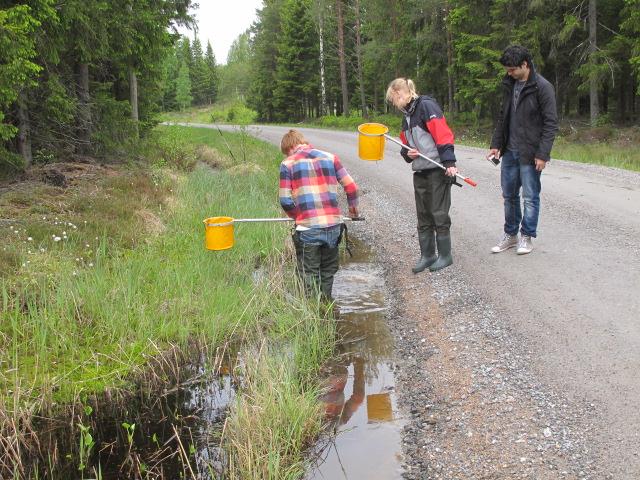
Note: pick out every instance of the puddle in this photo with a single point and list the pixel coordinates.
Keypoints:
(364, 439)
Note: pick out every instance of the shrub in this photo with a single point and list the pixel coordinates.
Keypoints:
(170, 149)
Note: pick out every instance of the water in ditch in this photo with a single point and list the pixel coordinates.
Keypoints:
(178, 434)
(363, 438)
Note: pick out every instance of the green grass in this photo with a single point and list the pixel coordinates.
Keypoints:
(235, 112)
(611, 153)
(81, 314)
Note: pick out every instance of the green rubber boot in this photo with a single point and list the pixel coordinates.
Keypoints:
(444, 252)
(427, 250)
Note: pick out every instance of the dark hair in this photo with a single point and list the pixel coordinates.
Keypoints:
(514, 55)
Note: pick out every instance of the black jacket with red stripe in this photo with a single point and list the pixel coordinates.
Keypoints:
(425, 128)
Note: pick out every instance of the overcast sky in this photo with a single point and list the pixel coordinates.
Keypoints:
(221, 21)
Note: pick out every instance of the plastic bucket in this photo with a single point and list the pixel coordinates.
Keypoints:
(371, 141)
(218, 233)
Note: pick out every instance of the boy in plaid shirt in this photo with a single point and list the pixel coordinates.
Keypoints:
(309, 181)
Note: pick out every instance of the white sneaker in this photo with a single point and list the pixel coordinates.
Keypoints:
(507, 241)
(525, 245)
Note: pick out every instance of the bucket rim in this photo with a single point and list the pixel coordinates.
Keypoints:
(221, 224)
(386, 129)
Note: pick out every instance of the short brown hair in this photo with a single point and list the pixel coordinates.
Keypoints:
(290, 140)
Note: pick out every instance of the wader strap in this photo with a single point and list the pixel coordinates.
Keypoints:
(345, 230)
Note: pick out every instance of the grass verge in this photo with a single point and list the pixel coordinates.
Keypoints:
(103, 274)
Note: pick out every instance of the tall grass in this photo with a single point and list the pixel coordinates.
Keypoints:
(87, 329)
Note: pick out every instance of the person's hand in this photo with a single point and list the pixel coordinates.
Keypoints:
(413, 153)
(353, 212)
(540, 164)
(495, 152)
(451, 172)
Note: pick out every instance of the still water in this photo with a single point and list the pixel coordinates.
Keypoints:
(363, 440)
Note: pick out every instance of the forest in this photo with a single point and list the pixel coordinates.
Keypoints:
(91, 77)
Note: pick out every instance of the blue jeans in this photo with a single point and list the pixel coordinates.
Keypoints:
(513, 175)
(318, 258)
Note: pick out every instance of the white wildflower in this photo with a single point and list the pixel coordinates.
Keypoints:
(30, 239)
(56, 239)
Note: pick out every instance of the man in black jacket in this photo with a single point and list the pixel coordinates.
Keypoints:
(523, 138)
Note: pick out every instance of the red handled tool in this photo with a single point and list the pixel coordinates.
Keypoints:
(466, 179)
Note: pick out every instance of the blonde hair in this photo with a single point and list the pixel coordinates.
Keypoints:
(399, 84)
(291, 139)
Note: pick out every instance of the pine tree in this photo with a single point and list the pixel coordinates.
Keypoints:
(297, 65)
(211, 92)
(199, 74)
(183, 87)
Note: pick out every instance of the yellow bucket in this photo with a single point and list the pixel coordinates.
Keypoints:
(371, 141)
(218, 233)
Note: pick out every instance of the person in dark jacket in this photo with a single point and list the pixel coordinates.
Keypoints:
(425, 130)
(523, 138)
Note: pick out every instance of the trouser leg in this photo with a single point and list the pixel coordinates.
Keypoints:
(330, 261)
(510, 183)
(531, 187)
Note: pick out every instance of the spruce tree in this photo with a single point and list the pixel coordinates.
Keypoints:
(183, 87)
(211, 91)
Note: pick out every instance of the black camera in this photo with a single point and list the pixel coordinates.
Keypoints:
(494, 160)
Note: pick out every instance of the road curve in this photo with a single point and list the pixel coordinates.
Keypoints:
(573, 303)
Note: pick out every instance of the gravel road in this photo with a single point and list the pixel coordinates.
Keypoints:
(511, 366)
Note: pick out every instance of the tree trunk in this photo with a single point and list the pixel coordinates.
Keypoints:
(342, 59)
(450, 84)
(24, 131)
(84, 108)
(323, 84)
(133, 97)
(394, 31)
(593, 79)
(363, 101)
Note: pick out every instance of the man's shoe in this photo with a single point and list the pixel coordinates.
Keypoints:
(525, 245)
(507, 241)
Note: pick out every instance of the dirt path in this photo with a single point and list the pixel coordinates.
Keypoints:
(512, 367)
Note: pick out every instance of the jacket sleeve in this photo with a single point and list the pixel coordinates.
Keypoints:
(349, 185)
(285, 192)
(547, 101)
(442, 135)
(403, 151)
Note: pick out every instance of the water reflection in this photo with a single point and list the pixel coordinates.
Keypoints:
(359, 393)
(174, 434)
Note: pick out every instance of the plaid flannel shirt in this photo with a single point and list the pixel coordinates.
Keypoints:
(308, 187)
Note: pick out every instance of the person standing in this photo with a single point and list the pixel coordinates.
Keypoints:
(523, 137)
(308, 194)
(425, 130)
